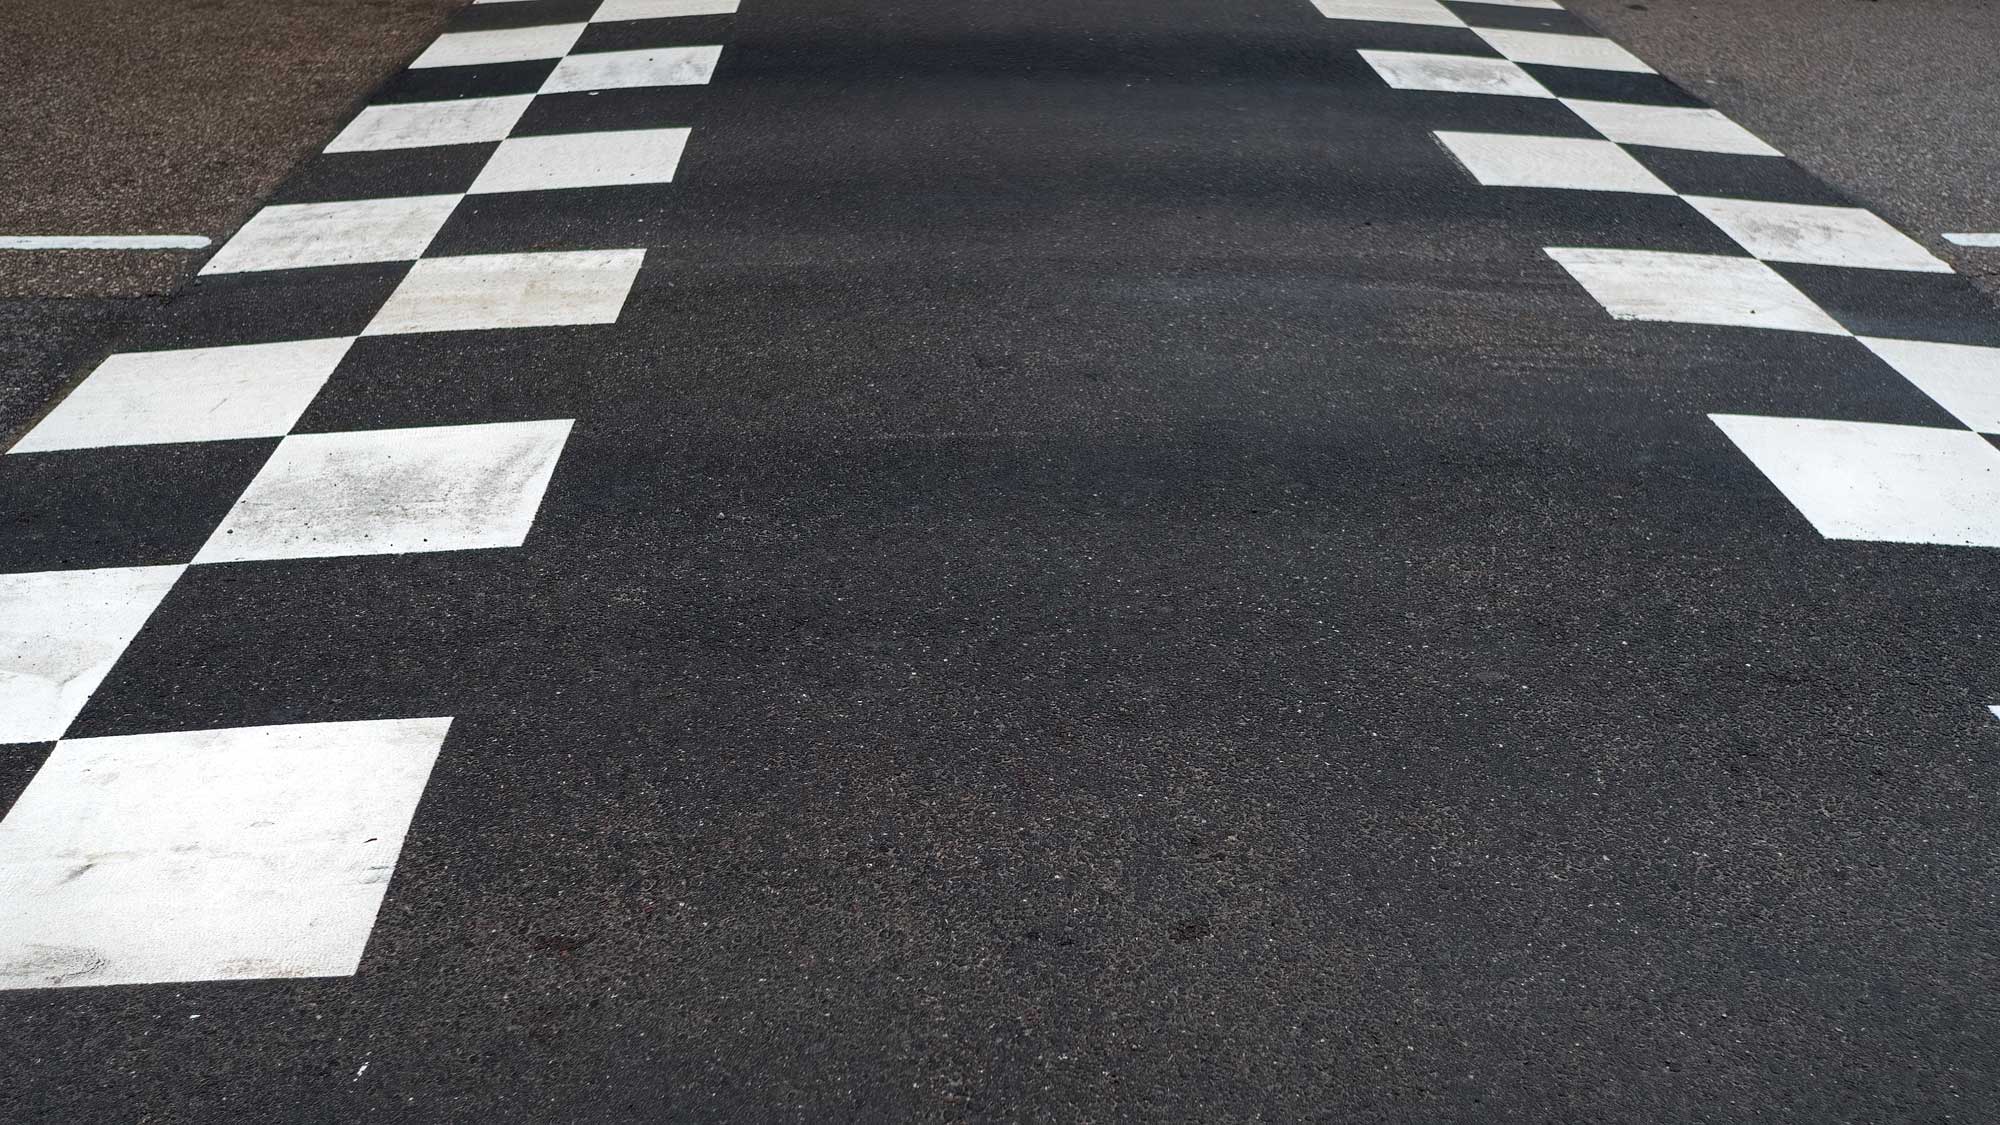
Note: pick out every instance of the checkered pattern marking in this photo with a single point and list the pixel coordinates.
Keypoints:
(265, 851)
(1850, 480)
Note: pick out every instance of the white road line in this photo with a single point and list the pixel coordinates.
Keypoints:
(1429, 13)
(427, 124)
(1816, 235)
(60, 633)
(1693, 289)
(1549, 49)
(103, 241)
(1453, 74)
(618, 70)
(348, 232)
(1962, 378)
(1991, 239)
(614, 11)
(194, 394)
(513, 44)
(1670, 126)
(479, 291)
(1576, 163)
(1877, 482)
(582, 160)
(392, 492)
(208, 855)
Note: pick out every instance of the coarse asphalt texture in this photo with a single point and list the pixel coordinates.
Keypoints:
(1098, 576)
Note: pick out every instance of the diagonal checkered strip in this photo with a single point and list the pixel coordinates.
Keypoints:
(265, 851)
(1850, 480)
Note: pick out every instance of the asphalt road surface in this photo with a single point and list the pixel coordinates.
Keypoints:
(1051, 561)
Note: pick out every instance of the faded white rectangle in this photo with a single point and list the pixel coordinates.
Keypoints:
(373, 492)
(1693, 289)
(1962, 378)
(195, 394)
(1816, 235)
(615, 10)
(349, 232)
(1429, 13)
(60, 633)
(509, 291)
(1453, 74)
(208, 855)
(428, 124)
(512, 44)
(581, 160)
(1576, 163)
(1867, 480)
(618, 70)
(1669, 126)
(1545, 48)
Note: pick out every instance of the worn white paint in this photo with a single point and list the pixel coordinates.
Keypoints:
(509, 291)
(103, 241)
(617, 70)
(1426, 12)
(580, 160)
(615, 10)
(298, 235)
(1548, 4)
(1866, 480)
(195, 394)
(513, 44)
(1962, 378)
(1670, 126)
(60, 633)
(1975, 239)
(208, 855)
(1589, 52)
(1816, 235)
(1453, 74)
(426, 124)
(1693, 289)
(375, 492)
(1513, 160)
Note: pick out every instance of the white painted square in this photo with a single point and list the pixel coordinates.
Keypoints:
(379, 492)
(1962, 378)
(208, 855)
(297, 235)
(512, 44)
(1453, 74)
(619, 70)
(615, 10)
(60, 633)
(1866, 480)
(426, 124)
(581, 160)
(1693, 289)
(197, 394)
(1511, 160)
(1670, 126)
(1590, 52)
(1816, 235)
(1427, 12)
(509, 291)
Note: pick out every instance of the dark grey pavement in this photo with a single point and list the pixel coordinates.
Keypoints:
(1098, 576)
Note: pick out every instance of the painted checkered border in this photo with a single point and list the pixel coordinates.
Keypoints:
(162, 813)
(1864, 481)
(1850, 480)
